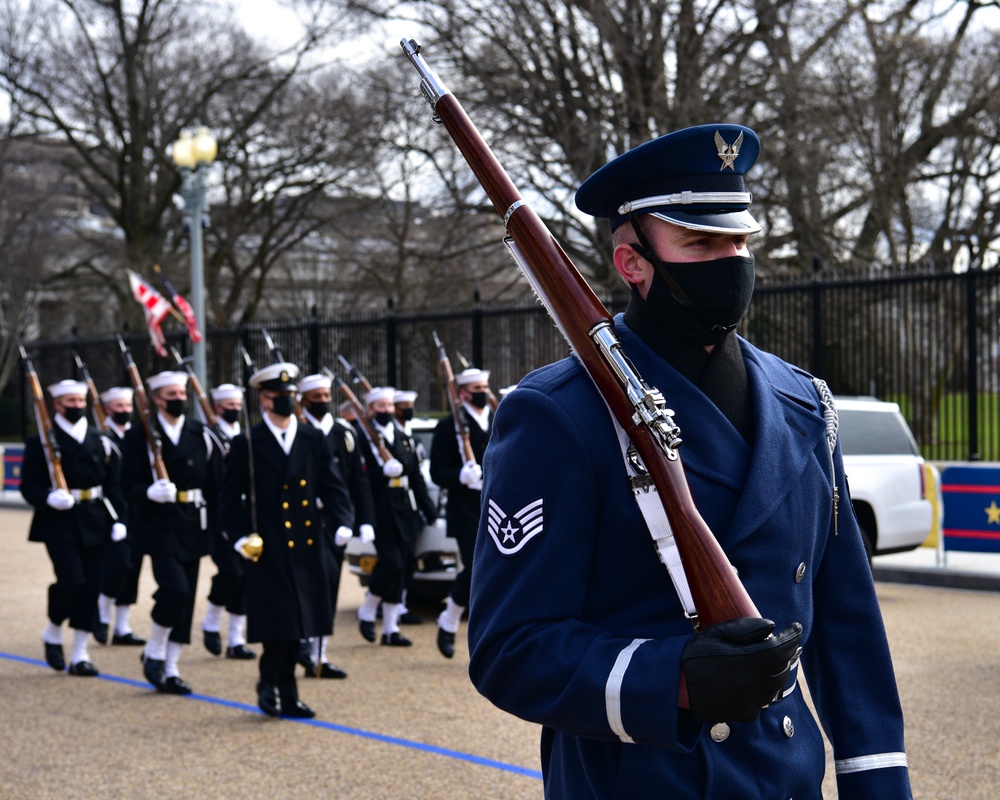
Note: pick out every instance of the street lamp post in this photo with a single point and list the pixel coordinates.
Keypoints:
(193, 154)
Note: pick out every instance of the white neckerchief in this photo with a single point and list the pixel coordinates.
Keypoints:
(480, 415)
(118, 428)
(404, 427)
(78, 430)
(173, 431)
(388, 432)
(289, 432)
(231, 430)
(325, 424)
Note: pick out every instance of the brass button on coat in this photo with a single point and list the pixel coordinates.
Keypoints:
(288, 523)
(291, 543)
(285, 505)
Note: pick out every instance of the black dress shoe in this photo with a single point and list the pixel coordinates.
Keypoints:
(304, 656)
(84, 669)
(129, 639)
(326, 671)
(174, 685)
(101, 632)
(240, 652)
(395, 639)
(446, 643)
(297, 709)
(153, 669)
(367, 630)
(268, 700)
(54, 656)
(409, 618)
(213, 642)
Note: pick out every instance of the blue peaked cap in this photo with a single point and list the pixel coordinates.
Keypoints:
(692, 177)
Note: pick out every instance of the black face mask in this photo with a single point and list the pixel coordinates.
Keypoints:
(121, 418)
(479, 399)
(406, 414)
(231, 415)
(319, 410)
(175, 407)
(718, 292)
(73, 415)
(384, 418)
(284, 405)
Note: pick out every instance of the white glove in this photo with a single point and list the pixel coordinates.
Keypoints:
(440, 524)
(477, 486)
(118, 532)
(392, 468)
(342, 536)
(162, 491)
(60, 500)
(238, 547)
(367, 533)
(471, 474)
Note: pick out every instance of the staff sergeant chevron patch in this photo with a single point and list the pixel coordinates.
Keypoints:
(511, 532)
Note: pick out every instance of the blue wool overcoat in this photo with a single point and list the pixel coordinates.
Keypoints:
(574, 622)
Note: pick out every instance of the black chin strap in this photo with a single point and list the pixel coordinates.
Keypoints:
(645, 249)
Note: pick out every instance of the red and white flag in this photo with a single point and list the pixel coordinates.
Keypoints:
(155, 306)
(183, 306)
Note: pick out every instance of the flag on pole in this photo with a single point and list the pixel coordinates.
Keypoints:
(155, 306)
(185, 308)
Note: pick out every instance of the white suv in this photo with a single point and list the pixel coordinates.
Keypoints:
(891, 487)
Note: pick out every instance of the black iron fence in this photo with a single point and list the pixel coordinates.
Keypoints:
(928, 342)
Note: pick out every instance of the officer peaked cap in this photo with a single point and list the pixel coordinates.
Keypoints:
(692, 177)
(67, 387)
(280, 377)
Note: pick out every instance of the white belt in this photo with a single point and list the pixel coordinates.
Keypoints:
(94, 493)
(190, 496)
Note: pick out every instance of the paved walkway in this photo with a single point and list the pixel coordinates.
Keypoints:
(406, 724)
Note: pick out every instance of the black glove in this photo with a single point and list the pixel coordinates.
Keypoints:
(735, 668)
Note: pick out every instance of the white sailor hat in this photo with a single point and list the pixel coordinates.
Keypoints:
(404, 397)
(280, 377)
(472, 375)
(692, 177)
(116, 393)
(312, 382)
(162, 379)
(380, 393)
(227, 391)
(68, 387)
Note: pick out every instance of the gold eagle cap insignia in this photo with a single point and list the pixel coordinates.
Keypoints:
(728, 153)
(284, 376)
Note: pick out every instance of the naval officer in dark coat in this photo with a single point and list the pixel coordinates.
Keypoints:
(76, 525)
(288, 592)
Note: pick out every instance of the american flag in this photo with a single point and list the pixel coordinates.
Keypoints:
(155, 306)
(183, 305)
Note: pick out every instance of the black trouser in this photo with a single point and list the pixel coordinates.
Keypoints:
(78, 582)
(277, 668)
(129, 591)
(228, 584)
(460, 589)
(395, 553)
(334, 563)
(173, 600)
(116, 567)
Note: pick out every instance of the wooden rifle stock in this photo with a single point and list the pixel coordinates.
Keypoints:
(145, 414)
(100, 418)
(461, 428)
(45, 431)
(588, 327)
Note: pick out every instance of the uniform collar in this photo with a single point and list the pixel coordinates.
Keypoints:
(78, 430)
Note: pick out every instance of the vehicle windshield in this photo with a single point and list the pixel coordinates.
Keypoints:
(875, 433)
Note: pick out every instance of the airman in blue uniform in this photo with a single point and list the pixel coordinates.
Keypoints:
(574, 622)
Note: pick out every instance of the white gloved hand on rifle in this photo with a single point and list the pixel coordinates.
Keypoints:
(471, 475)
(60, 500)
(162, 491)
(118, 532)
(392, 468)
(367, 533)
(342, 536)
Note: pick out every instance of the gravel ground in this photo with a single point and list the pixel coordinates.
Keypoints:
(407, 723)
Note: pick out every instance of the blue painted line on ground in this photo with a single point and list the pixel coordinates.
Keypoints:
(316, 723)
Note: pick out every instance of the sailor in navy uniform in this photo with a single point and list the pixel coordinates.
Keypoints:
(574, 622)
(228, 588)
(463, 481)
(295, 486)
(175, 515)
(122, 560)
(402, 505)
(316, 399)
(76, 525)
